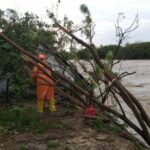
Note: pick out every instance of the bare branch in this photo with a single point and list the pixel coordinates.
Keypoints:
(124, 74)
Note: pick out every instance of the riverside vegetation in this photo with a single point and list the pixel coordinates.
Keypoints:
(12, 66)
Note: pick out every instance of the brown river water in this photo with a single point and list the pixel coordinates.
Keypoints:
(138, 83)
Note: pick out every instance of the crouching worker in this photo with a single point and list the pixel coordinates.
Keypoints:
(89, 112)
(44, 86)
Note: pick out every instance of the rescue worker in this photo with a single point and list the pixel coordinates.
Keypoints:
(44, 90)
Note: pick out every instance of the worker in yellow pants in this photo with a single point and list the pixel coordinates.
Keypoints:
(45, 86)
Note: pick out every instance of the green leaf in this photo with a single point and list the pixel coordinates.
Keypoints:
(84, 9)
(108, 58)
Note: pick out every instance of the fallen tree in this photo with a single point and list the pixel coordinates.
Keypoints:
(130, 100)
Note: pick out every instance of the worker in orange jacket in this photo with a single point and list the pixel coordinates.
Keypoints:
(44, 86)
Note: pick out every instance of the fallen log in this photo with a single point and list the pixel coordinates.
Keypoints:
(129, 99)
(143, 132)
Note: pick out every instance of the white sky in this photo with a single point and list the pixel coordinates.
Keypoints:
(104, 14)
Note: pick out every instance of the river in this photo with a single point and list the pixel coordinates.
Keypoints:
(138, 84)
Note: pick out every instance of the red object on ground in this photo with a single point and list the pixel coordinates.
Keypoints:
(90, 111)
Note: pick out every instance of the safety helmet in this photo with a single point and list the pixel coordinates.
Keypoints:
(41, 56)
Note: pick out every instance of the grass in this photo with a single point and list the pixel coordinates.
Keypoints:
(20, 118)
(67, 148)
(99, 125)
(25, 119)
(3, 130)
(52, 144)
(21, 147)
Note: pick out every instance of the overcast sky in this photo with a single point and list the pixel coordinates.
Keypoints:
(104, 14)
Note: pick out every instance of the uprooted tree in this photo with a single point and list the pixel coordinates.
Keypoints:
(101, 74)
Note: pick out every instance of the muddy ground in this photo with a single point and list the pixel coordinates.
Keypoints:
(68, 132)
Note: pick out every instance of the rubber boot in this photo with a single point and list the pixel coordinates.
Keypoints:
(40, 106)
(52, 105)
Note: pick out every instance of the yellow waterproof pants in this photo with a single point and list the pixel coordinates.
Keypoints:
(51, 105)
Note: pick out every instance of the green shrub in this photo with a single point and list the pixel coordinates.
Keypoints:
(21, 147)
(53, 144)
(19, 118)
(100, 125)
(3, 130)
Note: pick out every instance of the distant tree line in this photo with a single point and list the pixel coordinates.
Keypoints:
(139, 50)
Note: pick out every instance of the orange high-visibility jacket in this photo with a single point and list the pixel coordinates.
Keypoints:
(44, 91)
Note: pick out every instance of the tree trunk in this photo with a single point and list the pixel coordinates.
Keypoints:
(7, 96)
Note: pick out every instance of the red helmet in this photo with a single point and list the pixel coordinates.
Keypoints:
(41, 56)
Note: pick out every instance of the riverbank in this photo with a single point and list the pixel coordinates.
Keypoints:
(64, 130)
